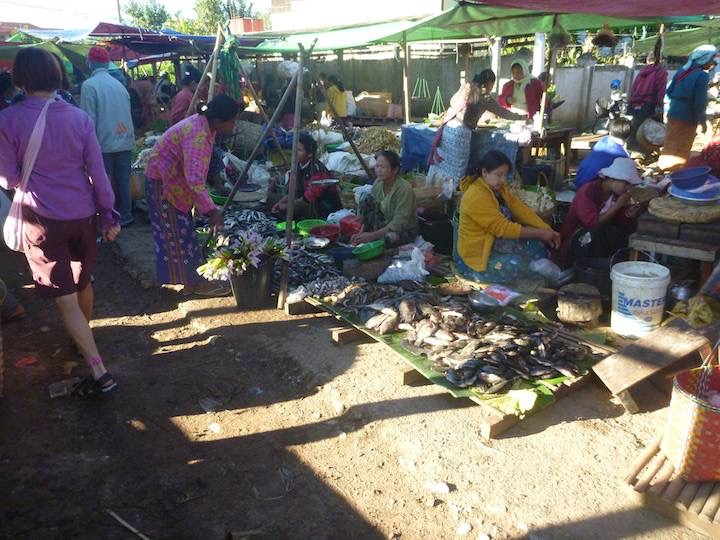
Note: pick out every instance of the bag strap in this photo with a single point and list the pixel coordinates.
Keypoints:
(33, 147)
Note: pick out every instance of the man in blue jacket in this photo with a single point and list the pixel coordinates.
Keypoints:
(107, 102)
(604, 152)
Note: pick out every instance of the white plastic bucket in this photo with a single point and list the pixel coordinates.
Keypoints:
(638, 297)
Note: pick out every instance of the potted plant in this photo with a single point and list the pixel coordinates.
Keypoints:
(246, 259)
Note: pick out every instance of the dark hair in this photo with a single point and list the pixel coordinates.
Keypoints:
(620, 128)
(332, 79)
(391, 156)
(486, 75)
(36, 70)
(190, 75)
(221, 107)
(308, 143)
(5, 82)
(65, 84)
(489, 162)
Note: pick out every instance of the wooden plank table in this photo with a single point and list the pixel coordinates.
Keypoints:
(495, 421)
(649, 355)
(705, 253)
(585, 141)
(556, 138)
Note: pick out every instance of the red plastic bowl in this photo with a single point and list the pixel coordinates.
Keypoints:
(331, 232)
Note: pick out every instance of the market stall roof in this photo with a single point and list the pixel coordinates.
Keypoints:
(468, 20)
(634, 8)
(464, 21)
(140, 40)
(680, 42)
(343, 37)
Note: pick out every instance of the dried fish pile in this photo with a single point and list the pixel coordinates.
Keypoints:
(475, 351)
(306, 267)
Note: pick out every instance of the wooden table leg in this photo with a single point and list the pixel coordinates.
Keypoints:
(633, 254)
(706, 269)
(568, 155)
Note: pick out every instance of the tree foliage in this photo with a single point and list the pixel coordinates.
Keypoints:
(148, 14)
(210, 13)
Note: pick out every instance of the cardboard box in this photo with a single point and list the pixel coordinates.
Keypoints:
(373, 103)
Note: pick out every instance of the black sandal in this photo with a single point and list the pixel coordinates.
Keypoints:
(91, 388)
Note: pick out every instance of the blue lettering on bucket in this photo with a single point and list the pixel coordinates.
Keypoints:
(625, 304)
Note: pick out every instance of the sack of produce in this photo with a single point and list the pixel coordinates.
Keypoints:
(692, 433)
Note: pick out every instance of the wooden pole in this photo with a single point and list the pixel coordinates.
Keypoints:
(406, 78)
(341, 125)
(292, 184)
(259, 142)
(262, 110)
(220, 38)
(210, 63)
(495, 60)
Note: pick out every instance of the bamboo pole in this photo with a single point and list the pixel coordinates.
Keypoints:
(406, 78)
(216, 52)
(210, 63)
(259, 143)
(262, 110)
(292, 184)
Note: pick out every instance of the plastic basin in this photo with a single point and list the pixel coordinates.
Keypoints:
(217, 198)
(306, 225)
(283, 226)
(331, 232)
(691, 178)
(369, 251)
(342, 253)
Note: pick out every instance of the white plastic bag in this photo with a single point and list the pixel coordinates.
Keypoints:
(406, 270)
(336, 217)
(361, 192)
(546, 268)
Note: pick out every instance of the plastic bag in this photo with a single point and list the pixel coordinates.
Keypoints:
(501, 294)
(361, 192)
(258, 173)
(406, 270)
(546, 268)
(338, 216)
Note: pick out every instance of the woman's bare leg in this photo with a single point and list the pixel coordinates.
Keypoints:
(77, 326)
(86, 298)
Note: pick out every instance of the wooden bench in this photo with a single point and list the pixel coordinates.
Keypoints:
(651, 354)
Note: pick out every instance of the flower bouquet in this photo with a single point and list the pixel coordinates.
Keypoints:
(246, 259)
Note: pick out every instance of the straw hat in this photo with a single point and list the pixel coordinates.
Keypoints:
(623, 169)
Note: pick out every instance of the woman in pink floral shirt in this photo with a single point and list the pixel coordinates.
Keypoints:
(176, 175)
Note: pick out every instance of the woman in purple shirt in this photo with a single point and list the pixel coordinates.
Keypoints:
(68, 198)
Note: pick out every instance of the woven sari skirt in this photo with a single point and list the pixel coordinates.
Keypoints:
(177, 253)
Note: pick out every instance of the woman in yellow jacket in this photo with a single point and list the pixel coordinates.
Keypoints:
(497, 235)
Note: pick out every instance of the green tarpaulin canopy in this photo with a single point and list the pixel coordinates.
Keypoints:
(465, 21)
(71, 53)
(347, 37)
(680, 42)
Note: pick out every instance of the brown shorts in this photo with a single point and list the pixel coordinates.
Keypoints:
(61, 253)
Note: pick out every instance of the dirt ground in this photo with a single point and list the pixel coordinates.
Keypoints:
(303, 439)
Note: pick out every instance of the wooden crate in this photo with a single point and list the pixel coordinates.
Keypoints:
(655, 485)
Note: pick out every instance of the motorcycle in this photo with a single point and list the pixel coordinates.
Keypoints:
(610, 108)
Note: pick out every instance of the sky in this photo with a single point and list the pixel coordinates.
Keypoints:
(82, 13)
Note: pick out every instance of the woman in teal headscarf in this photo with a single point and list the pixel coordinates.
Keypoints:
(688, 100)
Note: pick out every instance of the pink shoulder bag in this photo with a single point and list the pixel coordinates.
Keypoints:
(13, 228)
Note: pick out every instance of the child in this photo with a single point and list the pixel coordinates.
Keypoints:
(604, 152)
